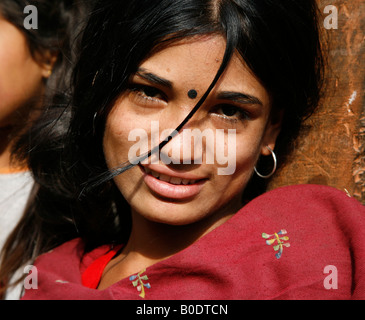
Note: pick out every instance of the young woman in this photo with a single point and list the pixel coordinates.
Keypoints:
(35, 67)
(161, 216)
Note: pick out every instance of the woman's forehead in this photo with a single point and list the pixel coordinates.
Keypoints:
(192, 63)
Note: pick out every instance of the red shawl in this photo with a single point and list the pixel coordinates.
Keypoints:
(298, 242)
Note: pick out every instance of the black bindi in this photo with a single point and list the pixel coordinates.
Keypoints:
(192, 94)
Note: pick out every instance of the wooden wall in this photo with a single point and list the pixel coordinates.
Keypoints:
(333, 152)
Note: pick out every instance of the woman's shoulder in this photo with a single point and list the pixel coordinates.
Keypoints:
(308, 230)
(324, 200)
(59, 272)
(311, 210)
(73, 252)
(63, 256)
(312, 191)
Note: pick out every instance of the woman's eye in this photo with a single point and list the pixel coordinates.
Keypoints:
(231, 113)
(148, 92)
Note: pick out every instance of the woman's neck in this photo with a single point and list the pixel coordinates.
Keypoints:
(157, 241)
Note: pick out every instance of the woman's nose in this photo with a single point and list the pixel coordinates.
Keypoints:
(189, 146)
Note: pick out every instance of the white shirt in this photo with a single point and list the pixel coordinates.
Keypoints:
(14, 193)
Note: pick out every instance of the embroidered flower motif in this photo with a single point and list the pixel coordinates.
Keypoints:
(137, 282)
(280, 241)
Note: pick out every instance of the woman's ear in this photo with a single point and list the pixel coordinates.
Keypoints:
(272, 131)
(47, 60)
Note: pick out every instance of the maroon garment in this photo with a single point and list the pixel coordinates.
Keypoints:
(289, 243)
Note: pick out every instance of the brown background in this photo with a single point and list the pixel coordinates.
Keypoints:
(333, 151)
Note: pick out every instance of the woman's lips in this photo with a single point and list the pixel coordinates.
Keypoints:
(172, 187)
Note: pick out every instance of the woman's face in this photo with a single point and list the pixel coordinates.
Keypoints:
(234, 120)
(21, 76)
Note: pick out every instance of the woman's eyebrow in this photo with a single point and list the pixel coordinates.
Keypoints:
(151, 77)
(239, 97)
(224, 95)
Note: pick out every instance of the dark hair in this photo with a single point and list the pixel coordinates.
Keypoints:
(278, 40)
(60, 22)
